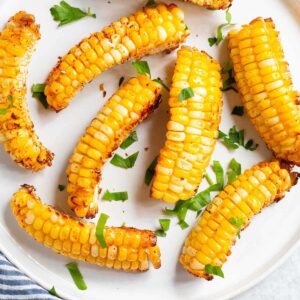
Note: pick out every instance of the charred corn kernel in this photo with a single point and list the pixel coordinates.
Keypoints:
(106, 132)
(191, 130)
(77, 240)
(148, 31)
(214, 233)
(17, 43)
(213, 4)
(266, 87)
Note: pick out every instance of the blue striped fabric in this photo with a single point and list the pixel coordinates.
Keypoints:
(17, 286)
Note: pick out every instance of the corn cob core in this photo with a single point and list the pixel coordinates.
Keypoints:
(265, 85)
(148, 31)
(17, 42)
(209, 242)
(129, 106)
(127, 249)
(192, 129)
(213, 4)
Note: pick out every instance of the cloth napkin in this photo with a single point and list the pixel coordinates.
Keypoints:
(17, 286)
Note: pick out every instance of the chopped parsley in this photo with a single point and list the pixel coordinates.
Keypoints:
(165, 225)
(132, 138)
(38, 93)
(185, 94)
(158, 80)
(116, 196)
(61, 187)
(238, 111)
(150, 171)
(76, 275)
(125, 163)
(214, 270)
(64, 13)
(100, 229)
(237, 222)
(151, 3)
(142, 67)
(53, 292)
(229, 82)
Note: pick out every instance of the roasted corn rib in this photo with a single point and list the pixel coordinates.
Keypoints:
(148, 31)
(265, 84)
(192, 129)
(209, 242)
(128, 249)
(129, 106)
(213, 4)
(17, 42)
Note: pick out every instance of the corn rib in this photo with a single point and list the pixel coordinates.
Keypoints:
(128, 107)
(212, 4)
(17, 42)
(210, 240)
(128, 249)
(148, 31)
(265, 84)
(192, 129)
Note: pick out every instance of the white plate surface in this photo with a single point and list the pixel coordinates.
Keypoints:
(262, 246)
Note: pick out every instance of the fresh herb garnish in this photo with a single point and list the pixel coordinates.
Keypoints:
(132, 138)
(121, 80)
(185, 94)
(234, 170)
(116, 196)
(165, 225)
(151, 3)
(61, 187)
(64, 13)
(76, 275)
(158, 80)
(237, 223)
(53, 292)
(216, 40)
(234, 139)
(238, 111)
(150, 171)
(229, 82)
(3, 111)
(142, 67)
(219, 172)
(100, 229)
(210, 269)
(38, 93)
(125, 163)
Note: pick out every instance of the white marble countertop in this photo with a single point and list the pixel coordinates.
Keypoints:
(282, 284)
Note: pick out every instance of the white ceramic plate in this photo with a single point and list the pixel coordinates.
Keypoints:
(262, 246)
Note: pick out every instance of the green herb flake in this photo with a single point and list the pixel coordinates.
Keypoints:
(142, 67)
(53, 292)
(185, 94)
(183, 225)
(237, 222)
(160, 233)
(121, 80)
(11, 101)
(158, 80)
(61, 187)
(151, 3)
(64, 13)
(3, 111)
(150, 171)
(132, 138)
(38, 93)
(76, 275)
(229, 82)
(219, 172)
(214, 270)
(100, 229)
(116, 196)
(208, 179)
(165, 224)
(238, 111)
(125, 163)
(250, 145)
(234, 170)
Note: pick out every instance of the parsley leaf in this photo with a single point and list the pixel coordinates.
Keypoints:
(151, 3)
(158, 80)
(100, 229)
(132, 138)
(219, 172)
(142, 67)
(238, 111)
(125, 163)
(216, 40)
(237, 223)
(234, 139)
(165, 225)
(150, 171)
(64, 13)
(116, 196)
(61, 187)
(53, 292)
(229, 82)
(234, 170)
(210, 269)
(76, 275)
(185, 94)
(38, 93)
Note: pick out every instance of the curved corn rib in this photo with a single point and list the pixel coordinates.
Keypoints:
(127, 248)
(129, 106)
(265, 85)
(213, 4)
(148, 31)
(192, 129)
(210, 240)
(17, 42)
